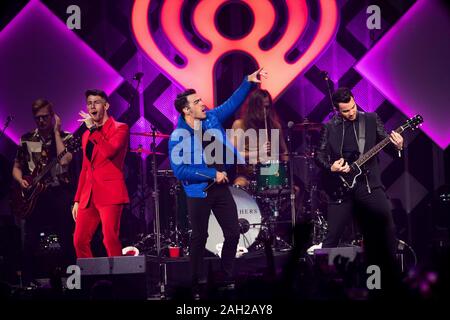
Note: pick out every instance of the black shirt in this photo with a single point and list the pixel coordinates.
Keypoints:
(350, 149)
(90, 145)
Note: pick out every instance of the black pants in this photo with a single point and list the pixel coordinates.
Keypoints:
(373, 214)
(221, 202)
(52, 215)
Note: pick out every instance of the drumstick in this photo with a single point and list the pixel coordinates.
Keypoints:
(265, 124)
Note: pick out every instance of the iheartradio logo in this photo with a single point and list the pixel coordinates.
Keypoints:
(198, 70)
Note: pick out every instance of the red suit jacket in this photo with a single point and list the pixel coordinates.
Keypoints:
(102, 177)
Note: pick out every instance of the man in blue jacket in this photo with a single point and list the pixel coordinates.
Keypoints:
(205, 183)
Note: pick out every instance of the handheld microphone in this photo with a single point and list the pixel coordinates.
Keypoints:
(214, 182)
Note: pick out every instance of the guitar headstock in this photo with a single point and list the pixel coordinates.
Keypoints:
(73, 144)
(413, 122)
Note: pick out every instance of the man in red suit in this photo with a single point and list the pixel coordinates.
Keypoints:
(101, 191)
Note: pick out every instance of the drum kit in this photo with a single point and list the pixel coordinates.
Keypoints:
(262, 203)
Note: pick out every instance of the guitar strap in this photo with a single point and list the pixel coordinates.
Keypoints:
(362, 132)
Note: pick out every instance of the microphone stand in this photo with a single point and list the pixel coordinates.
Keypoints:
(141, 166)
(291, 179)
(162, 266)
(155, 192)
(330, 95)
(136, 89)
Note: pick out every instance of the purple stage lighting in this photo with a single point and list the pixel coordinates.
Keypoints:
(410, 66)
(41, 57)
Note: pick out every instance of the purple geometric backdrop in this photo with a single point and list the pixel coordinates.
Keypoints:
(417, 45)
(39, 56)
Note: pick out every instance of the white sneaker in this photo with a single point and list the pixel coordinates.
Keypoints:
(311, 249)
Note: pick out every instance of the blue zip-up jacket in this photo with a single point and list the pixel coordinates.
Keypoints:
(195, 175)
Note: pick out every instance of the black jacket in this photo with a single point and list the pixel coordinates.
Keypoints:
(330, 150)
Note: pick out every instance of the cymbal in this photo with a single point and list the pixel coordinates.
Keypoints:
(150, 134)
(306, 126)
(145, 151)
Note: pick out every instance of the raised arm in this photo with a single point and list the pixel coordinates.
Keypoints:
(229, 107)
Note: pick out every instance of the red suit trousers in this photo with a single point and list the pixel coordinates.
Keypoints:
(87, 222)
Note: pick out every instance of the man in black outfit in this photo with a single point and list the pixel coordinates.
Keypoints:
(347, 135)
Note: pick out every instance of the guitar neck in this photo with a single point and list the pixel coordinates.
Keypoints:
(49, 166)
(377, 148)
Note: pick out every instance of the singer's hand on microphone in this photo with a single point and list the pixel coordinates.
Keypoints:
(86, 118)
(221, 177)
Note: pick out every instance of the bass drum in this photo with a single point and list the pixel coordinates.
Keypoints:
(249, 216)
(272, 178)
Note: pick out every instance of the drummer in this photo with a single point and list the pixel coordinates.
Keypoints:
(258, 113)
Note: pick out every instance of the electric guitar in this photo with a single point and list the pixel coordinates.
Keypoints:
(349, 178)
(23, 200)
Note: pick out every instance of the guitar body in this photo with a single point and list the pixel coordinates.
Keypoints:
(337, 186)
(349, 178)
(23, 201)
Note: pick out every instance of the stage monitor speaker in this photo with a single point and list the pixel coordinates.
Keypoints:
(114, 277)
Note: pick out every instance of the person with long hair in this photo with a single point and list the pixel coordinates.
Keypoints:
(258, 114)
